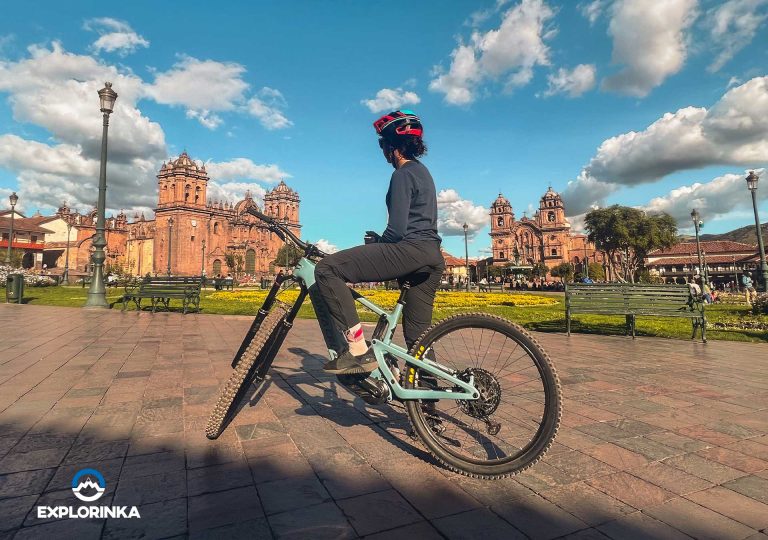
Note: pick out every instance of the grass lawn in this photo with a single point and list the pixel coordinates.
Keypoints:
(535, 312)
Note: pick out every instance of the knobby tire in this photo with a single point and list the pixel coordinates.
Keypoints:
(548, 428)
(251, 361)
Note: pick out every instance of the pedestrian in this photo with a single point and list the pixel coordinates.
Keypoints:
(749, 288)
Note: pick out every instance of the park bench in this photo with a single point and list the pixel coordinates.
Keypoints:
(633, 300)
(161, 290)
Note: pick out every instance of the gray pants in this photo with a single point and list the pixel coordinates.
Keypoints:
(418, 262)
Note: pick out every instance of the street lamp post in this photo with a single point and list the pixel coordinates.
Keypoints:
(752, 179)
(170, 236)
(202, 262)
(13, 200)
(466, 254)
(736, 273)
(586, 261)
(97, 293)
(697, 223)
(65, 281)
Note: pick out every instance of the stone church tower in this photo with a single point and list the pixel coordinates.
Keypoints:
(204, 234)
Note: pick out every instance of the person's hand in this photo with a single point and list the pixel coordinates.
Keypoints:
(372, 237)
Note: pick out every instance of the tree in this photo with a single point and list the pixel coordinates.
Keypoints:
(495, 271)
(539, 270)
(626, 236)
(596, 272)
(288, 255)
(234, 262)
(17, 255)
(564, 271)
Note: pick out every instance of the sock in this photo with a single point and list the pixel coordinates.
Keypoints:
(356, 340)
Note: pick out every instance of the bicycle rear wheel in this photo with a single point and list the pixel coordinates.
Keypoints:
(515, 420)
(254, 362)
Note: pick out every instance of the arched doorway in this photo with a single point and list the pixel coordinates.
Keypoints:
(250, 262)
(28, 260)
(216, 267)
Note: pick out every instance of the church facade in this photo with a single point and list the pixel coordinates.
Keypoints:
(545, 238)
(189, 234)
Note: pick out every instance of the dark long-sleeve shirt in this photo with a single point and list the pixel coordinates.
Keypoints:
(412, 205)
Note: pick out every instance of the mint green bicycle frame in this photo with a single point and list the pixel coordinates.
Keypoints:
(305, 272)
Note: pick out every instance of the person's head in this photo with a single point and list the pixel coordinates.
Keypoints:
(748, 274)
(400, 136)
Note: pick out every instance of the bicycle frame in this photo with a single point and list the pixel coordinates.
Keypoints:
(304, 274)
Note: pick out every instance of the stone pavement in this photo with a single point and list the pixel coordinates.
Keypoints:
(660, 439)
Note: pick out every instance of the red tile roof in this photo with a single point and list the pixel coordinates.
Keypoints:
(712, 246)
(23, 224)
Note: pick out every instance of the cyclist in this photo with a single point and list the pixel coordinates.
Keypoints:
(408, 249)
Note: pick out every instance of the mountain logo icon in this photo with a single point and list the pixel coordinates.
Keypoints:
(88, 485)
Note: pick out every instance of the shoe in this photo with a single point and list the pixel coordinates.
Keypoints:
(349, 364)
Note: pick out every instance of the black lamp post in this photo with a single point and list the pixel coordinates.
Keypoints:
(752, 179)
(170, 236)
(202, 261)
(65, 281)
(697, 223)
(97, 293)
(13, 200)
(466, 254)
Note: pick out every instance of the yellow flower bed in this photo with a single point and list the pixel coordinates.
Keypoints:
(387, 299)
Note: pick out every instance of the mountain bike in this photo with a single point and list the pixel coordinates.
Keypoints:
(480, 392)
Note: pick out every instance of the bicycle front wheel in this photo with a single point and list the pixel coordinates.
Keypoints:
(254, 361)
(515, 420)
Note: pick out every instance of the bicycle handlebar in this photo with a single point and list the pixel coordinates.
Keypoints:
(282, 231)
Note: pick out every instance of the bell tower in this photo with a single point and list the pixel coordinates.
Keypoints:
(181, 182)
(551, 211)
(283, 203)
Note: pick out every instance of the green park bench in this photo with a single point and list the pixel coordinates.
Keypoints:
(161, 290)
(633, 300)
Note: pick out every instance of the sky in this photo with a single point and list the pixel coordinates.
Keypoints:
(658, 105)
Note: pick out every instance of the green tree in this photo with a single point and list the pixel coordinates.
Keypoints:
(288, 255)
(596, 272)
(16, 257)
(564, 271)
(495, 271)
(626, 235)
(539, 270)
(234, 262)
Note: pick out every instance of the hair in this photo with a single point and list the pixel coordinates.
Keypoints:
(409, 147)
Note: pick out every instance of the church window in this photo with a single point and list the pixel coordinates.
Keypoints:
(216, 267)
(215, 228)
(250, 262)
(501, 254)
(500, 221)
(552, 237)
(550, 216)
(554, 252)
(186, 192)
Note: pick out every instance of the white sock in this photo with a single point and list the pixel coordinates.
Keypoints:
(356, 340)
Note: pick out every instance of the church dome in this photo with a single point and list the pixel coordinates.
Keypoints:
(184, 161)
(551, 195)
(282, 187)
(500, 201)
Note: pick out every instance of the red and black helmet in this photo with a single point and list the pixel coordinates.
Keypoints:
(398, 124)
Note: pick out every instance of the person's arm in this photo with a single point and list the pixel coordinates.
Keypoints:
(399, 207)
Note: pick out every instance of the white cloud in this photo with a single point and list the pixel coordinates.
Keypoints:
(453, 212)
(592, 10)
(234, 191)
(200, 85)
(206, 118)
(713, 199)
(574, 83)
(732, 26)
(507, 54)
(57, 91)
(115, 36)
(326, 247)
(389, 99)
(734, 131)
(649, 40)
(245, 169)
(267, 106)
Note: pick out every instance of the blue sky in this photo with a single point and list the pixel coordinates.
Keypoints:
(609, 101)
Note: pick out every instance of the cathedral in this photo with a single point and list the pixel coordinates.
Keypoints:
(189, 235)
(545, 238)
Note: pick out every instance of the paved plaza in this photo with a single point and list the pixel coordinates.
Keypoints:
(660, 439)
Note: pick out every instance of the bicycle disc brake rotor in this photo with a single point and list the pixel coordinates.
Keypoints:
(490, 394)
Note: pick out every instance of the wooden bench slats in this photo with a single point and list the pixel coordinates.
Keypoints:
(163, 289)
(632, 300)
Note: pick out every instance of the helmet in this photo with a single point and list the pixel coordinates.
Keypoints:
(397, 124)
